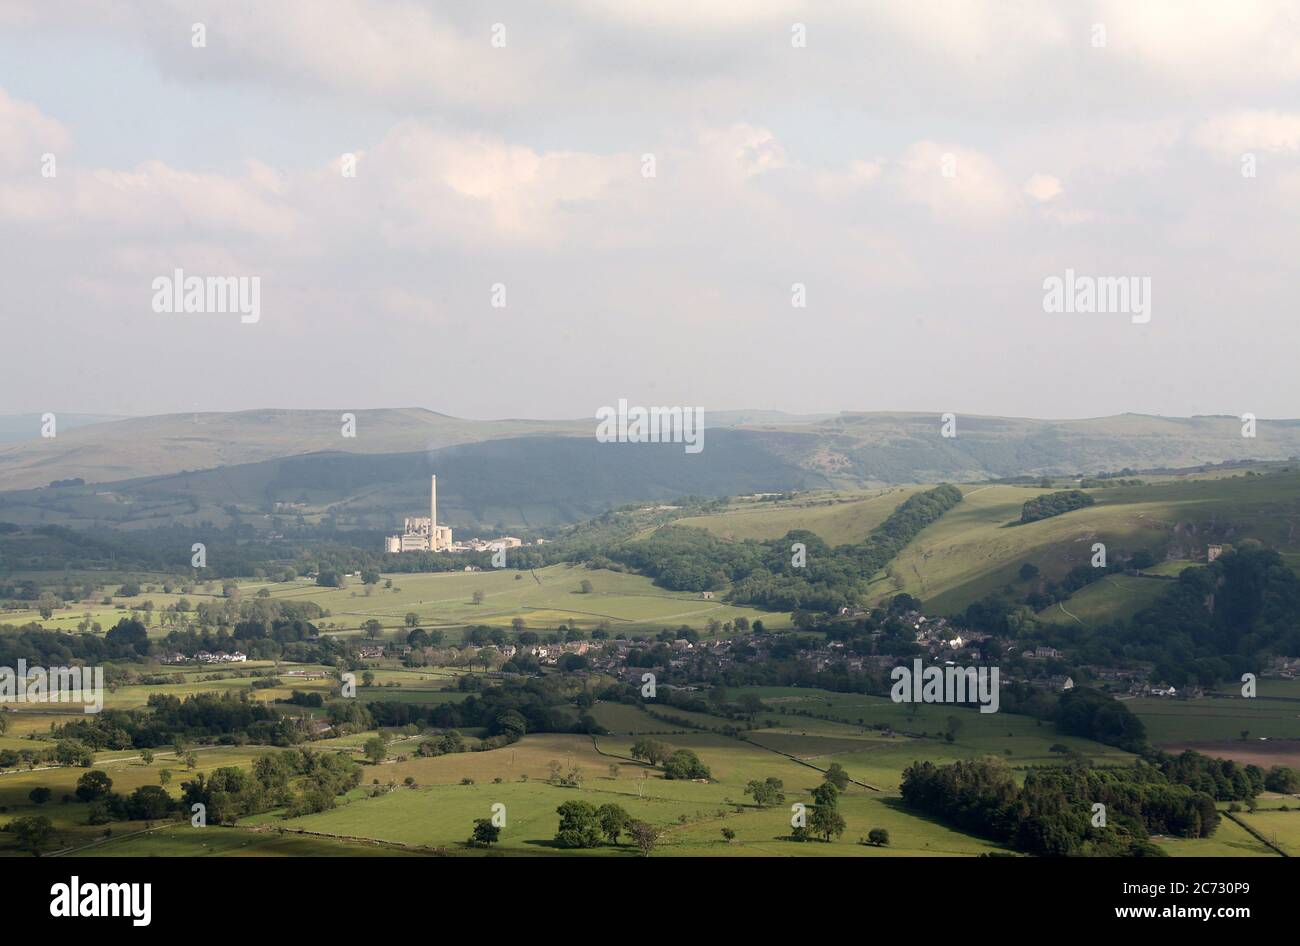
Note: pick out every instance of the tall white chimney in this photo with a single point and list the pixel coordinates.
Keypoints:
(433, 503)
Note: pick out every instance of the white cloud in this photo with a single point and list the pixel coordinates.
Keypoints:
(954, 183)
(1043, 187)
(26, 135)
(1230, 136)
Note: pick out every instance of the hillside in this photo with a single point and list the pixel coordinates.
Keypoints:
(513, 482)
(837, 518)
(907, 447)
(850, 450)
(17, 428)
(979, 546)
(171, 443)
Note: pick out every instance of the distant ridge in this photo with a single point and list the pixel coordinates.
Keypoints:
(850, 448)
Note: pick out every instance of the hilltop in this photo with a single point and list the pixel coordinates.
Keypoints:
(849, 449)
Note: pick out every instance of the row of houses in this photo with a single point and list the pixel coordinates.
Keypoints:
(206, 657)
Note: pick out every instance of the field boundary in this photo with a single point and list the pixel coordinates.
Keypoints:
(1255, 834)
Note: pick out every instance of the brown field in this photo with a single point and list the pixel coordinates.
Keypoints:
(1264, 754)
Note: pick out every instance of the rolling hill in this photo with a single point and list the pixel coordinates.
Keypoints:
(514, 482)
(850, 449)
(979, 546)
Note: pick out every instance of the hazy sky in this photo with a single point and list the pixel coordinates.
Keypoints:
(920, 167)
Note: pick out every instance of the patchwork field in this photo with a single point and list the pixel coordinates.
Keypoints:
(543, 599)
(1220, 721)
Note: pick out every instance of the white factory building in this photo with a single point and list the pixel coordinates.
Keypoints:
(422, 533)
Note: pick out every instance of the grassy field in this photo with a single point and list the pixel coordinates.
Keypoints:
(1115, 596)
(439, 812)
(838, 518)
(543, 599)
(1279, 828)
(799, 734)
(181, 840)
(1218, 719)
(979, 546)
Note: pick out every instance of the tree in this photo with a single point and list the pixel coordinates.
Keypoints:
(40, 795)
(146, 756)
(826, 820)
(685, 764)
(517, 624)
(645, 837)
(954, 727)
(580, 825)
(46, 604)
(477, 597)
(878, 836)
(766, 793)
(164, 776)
(485, 832)
(376, 750)
(32, 833)
(751, 705)
(585, 587)
(510, 724)
(411, 619)
(728, 835)
(650, 750)
(1028, 571)
(149, 803)
(1282, 780)
(613, 821)
(836, 776)
(826, 795)
(94, 785)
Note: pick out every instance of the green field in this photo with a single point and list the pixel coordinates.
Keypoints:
(978, 547)
(543, 599)
(1279, 828)
(1115, 596)
(838, 518)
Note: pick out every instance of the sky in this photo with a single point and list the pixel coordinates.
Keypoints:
(853, 206)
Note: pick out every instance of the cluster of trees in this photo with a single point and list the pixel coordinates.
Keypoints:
(1223, 779)
(823, 820)
(263, 628)
(1091, 714)
(584, 825)
(442, 744)
(146, 803)
(681, 764)
(1054, 504)
(507, 710)
(230, 793)
(1056, 812)
(229, 718)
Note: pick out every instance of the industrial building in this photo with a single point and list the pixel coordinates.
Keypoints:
(422, 533)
